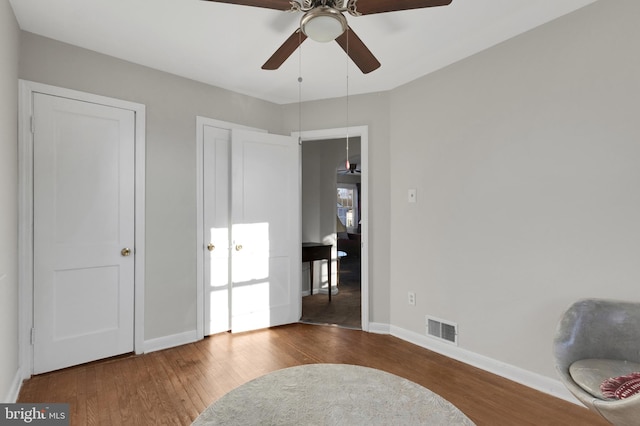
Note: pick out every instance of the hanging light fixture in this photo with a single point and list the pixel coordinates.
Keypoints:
(347, 166)
(323, 24)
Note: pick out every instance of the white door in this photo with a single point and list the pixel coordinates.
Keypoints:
(252, 273)
(83, 232)
(217, 211)
(265, 217)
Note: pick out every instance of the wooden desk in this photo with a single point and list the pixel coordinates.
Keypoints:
(317, 251)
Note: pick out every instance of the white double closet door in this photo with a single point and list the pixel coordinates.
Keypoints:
(251, 232)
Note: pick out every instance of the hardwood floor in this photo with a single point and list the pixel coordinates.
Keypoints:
(173, 386)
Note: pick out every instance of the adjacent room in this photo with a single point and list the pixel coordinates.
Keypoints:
(466, 170)
(331, 215)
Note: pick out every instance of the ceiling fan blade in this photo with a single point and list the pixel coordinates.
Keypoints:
(357, 51)
(268, 4)
(368, 7)
(288, 47)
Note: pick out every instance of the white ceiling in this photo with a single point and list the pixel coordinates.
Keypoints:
(225, 45)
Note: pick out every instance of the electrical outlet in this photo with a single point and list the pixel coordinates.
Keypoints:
(411, 298)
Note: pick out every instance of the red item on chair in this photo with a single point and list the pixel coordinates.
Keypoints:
(621, 387)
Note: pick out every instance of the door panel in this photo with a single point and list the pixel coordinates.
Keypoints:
(266, 230)
(216, 168)
(83, 218)
(86, 293)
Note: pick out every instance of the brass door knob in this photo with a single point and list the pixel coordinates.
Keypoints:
(125, 251)
(211, 247)
(238, 247)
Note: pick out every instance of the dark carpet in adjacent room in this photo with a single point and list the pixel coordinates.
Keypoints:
(344, 308)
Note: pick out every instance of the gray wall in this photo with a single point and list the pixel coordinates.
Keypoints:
(172, 104)
(9, 42)
(526, 161)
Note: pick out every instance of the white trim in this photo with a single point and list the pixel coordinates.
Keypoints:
(363, 133)
(379, 328)
(140, 224)
(25, 229)
(14, 389)
(171, 341)
(527, 378)
(200, 123)
(25, 211)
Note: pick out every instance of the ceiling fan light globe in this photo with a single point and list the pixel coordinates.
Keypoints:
(323, 24)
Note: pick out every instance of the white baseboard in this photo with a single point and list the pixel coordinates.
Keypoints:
(527, 378)
(171, 341)
(379, 328)
(14, 390)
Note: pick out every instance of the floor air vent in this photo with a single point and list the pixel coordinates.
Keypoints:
(442, 330)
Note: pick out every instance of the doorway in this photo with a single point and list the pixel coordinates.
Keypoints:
(323, 168)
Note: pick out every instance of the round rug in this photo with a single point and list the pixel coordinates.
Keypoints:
(331, 394)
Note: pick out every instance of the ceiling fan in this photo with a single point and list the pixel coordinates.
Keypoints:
(324, 21)
(353, 168)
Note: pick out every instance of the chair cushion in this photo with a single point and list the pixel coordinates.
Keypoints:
(589, 374)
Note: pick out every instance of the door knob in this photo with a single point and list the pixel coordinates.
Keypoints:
(238, 247)
(211, 247)
(125, 251)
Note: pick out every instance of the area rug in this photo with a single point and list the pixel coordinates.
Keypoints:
(331, 394)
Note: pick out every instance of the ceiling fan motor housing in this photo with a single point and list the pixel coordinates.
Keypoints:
(323, 24)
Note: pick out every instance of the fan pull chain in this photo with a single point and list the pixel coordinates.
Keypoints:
(299, 87)
(347, 165)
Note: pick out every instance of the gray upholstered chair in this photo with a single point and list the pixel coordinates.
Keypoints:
(596, 340)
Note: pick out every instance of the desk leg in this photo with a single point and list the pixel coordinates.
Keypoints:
(328, 278)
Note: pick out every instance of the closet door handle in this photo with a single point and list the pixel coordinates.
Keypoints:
(238, 247)
(211, 247)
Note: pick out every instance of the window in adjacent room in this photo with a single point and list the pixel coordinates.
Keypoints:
(348, 206)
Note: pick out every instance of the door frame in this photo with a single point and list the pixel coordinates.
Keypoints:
(200, 244)
(25, 211)
(363, 133)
